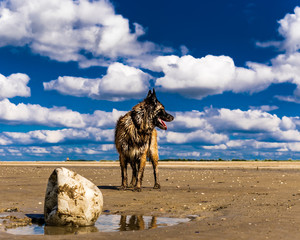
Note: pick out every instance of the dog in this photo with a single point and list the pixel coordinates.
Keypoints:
(136, 139)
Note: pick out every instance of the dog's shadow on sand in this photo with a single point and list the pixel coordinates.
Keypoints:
(109, 187)
(119, 188)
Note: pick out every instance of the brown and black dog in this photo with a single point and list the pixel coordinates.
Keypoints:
(136, 139)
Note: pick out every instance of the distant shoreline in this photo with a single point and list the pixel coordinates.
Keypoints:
(257, 165)
(162, 160)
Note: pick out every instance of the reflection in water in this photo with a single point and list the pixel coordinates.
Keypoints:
(105, 223)
(50, 230)
(136, 223)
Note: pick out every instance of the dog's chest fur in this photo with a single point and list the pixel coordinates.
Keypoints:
(133, 141)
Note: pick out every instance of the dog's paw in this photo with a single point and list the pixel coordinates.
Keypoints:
(123, 188)
(156, 186)
(137, 189)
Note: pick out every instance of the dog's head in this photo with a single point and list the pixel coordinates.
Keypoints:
(159, 114)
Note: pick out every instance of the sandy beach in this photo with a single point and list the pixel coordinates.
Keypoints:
(225, 200)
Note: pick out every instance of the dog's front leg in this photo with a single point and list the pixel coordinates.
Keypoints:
(155, 173)
(140, 174)
(154, 161)
(123, 164)
(153, 154)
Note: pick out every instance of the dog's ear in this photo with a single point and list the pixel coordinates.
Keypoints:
(149, 94)
(151, 97)
(153, 93)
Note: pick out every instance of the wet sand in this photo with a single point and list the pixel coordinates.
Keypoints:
(228, 200)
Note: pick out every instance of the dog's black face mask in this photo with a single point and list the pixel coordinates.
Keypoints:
(160, 115)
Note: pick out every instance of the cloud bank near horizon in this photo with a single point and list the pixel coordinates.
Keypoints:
(211, 129)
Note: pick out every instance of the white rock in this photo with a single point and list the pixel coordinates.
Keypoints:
(71, 200)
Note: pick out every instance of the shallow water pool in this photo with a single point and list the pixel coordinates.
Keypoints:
(105, 223)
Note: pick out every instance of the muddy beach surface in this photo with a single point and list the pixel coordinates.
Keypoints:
(224, 200)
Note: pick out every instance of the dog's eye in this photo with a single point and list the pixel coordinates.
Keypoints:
(161, 112)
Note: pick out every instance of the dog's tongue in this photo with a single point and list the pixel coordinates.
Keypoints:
(163, 123)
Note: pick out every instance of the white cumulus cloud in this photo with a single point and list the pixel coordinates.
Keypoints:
(21, 113)
(121, 82)
(219, 126)
(14, 85)
(199, 136)
(195, 77)
(289, 29)
(36, 114)
(254, 145)
(238, 120)
(67, 30)
(210, 75)
(254, 124)
(56, 136)
(199, 77)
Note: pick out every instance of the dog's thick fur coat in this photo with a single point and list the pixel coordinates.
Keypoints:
(136, 139)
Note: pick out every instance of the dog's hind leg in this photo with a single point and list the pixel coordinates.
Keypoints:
(123, 164)
(134, 174)
(153, 155)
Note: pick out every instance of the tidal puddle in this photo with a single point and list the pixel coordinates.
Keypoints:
(105, 223)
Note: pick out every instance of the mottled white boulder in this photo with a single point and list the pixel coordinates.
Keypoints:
(71, 200)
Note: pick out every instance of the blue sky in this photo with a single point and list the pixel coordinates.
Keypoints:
(227, 70)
